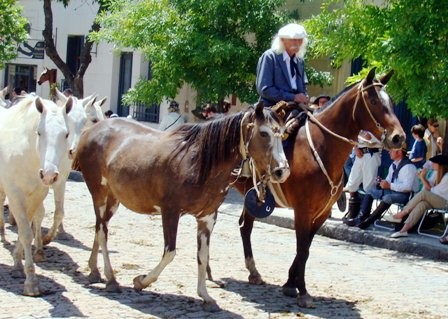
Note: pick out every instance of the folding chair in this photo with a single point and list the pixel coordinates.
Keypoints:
(440, 229)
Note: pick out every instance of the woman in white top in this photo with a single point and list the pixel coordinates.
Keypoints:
(429, 197)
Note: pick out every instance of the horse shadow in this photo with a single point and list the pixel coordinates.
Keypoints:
(52, 293)
(163, 305)
(270, 299)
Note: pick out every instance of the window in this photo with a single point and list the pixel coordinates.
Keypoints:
(75, 44)
(144, 112)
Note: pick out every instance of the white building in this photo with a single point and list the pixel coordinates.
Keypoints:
(110, 73)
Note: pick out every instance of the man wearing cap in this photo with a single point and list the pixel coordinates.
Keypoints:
(395, 189)
(281, 71)
(173, 119)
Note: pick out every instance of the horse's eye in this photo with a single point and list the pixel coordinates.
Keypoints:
(66, 135)
(264, 134)
(38, 133)
(95, 121)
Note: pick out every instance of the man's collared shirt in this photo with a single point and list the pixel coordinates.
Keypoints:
(406, 180)
(287, 60)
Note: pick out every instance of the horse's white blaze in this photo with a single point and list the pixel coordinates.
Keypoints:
(385, 99)
(103, 181)
(278, 153)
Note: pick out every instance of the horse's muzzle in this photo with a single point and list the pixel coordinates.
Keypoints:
(280, 174)
(48, 178)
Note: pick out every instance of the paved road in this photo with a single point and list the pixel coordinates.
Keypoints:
(348, 280)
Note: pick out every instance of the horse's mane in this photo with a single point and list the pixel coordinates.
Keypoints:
(212, 142)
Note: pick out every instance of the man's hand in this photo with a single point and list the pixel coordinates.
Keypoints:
(358, 152)
(384, 184)
(301, 98)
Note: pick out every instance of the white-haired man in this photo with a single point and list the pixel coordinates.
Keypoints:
(281, 71)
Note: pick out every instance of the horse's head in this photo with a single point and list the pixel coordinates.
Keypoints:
(85, 112)
(47, 75)
(263, 135)
(373, 111)
(94, 112)
(53, 142)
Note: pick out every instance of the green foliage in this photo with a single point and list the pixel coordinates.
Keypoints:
(409, 36)
(213, 45)
(12, 30)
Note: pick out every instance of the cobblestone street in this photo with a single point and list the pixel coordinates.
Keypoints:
(347, 280)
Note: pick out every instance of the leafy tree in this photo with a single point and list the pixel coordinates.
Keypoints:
(409, 36)
(75, 80)
(12, 30)
(213, 45)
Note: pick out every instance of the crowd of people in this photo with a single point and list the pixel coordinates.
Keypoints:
(417, 180)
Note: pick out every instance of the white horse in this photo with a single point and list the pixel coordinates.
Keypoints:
(31, 163)
(84, 114)
(3, 93)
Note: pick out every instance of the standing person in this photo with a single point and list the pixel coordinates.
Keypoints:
(173, 119)
(281, 70)
(364, 170)
(433, 138)
(210, 112)
(321, 100)
(418, 152)
(428, 197)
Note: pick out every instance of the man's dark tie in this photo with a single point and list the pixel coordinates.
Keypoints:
(394, 167)
(293, 66)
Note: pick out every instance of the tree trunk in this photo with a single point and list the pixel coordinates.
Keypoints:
(75, 81)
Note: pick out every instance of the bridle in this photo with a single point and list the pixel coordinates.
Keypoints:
(248, 166)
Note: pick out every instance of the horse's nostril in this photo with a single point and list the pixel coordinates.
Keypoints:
(41, 174)
(278, 173)
(396, 139)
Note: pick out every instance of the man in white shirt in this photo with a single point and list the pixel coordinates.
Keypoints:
(364, 170)
(395, 189)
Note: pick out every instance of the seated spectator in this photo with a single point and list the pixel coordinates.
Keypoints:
(428, 197)
(364, 170)
(173, 119)
(419, 149)
(395, 189)
(108, 113)
(433, 138)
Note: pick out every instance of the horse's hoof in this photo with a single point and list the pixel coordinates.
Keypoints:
(138, 286)
(31, 289)
(211, 306)
(290, 291)
(94, 276)
(17, 273)
(256, 280)
(305, 301)
(113, 286)
(39, 256)
(47, 239)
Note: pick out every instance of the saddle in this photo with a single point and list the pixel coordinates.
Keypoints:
(295, 116)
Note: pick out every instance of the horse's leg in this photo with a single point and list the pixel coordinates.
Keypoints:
(305, 231)
(59, 194)
(205, 228)
(103, 213)
(37, 225)
(170, 223)
(25, 234)
(2, 218)
(246, 222)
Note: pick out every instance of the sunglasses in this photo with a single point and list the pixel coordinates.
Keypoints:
(435, 125)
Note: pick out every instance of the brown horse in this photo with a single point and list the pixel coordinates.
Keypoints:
(173, 173)
(47, 75)
(316, 158)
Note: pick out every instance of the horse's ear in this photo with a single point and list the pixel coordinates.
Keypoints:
(68, 105)
(45, 68)
(86, 100)
(280, 109)
(39, 105)
(89, 103)
(102, 101)
(385, 78)
(61, 97)
(259, 109)
(371, 75)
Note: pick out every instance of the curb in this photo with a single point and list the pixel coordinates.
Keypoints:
(372, 237)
